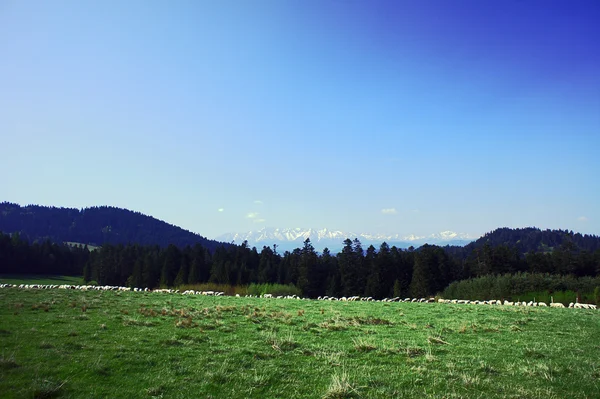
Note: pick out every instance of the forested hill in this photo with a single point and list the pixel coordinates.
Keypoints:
(530, 239)
(94, 226)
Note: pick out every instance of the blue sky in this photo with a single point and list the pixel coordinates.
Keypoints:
(407, 117)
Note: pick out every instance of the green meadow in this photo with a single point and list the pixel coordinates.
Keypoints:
(72, 344)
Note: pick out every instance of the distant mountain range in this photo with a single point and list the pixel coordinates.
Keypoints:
(94, 226)
(287, 239)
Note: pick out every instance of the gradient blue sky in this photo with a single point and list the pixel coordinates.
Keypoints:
(383, 117)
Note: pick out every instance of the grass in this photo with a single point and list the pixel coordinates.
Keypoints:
(128, 344)
(39, 279)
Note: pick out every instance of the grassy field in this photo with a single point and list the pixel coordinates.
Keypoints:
(39, 279)
(58, 343)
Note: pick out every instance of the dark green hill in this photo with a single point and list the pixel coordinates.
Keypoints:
(529, 239)
(94, 226)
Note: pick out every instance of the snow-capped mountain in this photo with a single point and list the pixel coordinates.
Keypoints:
(291, 238)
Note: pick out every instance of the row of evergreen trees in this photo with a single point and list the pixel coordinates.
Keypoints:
(566, 259)
(386, 272)
(383, 272)
(18, 256)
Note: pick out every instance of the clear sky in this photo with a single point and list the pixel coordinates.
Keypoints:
(369, 116)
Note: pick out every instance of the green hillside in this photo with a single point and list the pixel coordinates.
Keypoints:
(72, 344)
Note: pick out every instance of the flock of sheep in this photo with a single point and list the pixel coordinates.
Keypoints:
(463, 301)
(575, 305)
(105, 288)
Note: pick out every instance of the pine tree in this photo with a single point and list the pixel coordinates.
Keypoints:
(182, 274)
(348, 272)
(193, 274)
(219, 271)
(151, 268)
(265, 266)
(171, 266)
(387, 272)
(333, 286)
(86, 272)
(403, 262)
(362, 269)
(200, 265)
(136, 277)
(307, 268)
(419, 286)
(373, 283)
(397, 289)
(329, 278)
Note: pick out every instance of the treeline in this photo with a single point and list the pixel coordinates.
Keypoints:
(527, 287)
(18, 256)
(383, 272)
(377, 272)
(566, 259)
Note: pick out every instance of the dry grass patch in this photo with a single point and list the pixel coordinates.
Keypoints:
(137, 323)
(332, 358)
(157, 391)
(186, 322)
(47, 388)
(437, 341)
(281, 343)
(41, 306)
(148, 312)
(363, 345)
(533, 353)
(340, 388)
(8, 362)
(469, 380)
(371, 321)
(412, 351)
